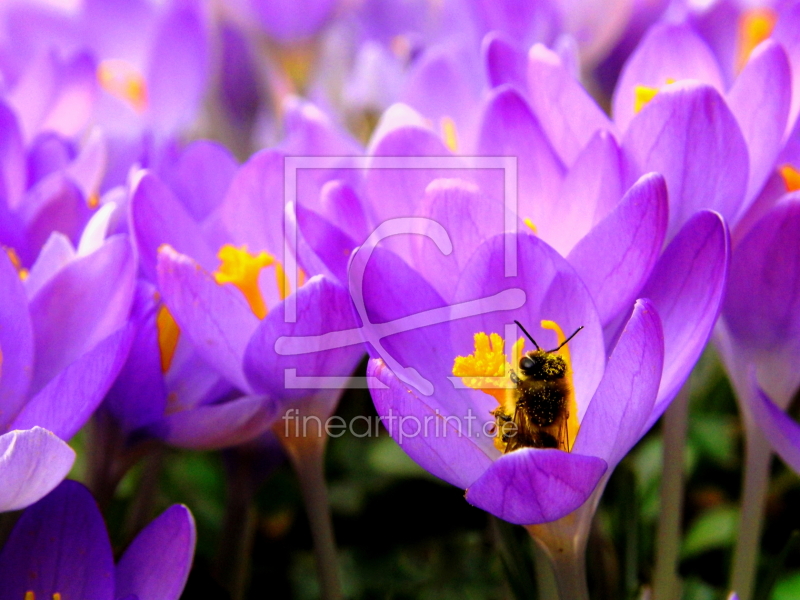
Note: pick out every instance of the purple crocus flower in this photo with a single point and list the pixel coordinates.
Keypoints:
(59, 548)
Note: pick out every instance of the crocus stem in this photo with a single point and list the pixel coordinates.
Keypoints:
(307, 455)
(758, 457)
(105, 449)
(564, 542)
(666, 584)
(144, 502)
(238, 532)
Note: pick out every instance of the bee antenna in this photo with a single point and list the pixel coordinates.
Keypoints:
(525, 331)
(564, 343)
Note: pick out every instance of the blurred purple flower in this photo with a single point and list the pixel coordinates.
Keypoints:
(59, 548)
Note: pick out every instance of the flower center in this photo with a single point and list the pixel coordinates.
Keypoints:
(755, 26)
(791, 178)
(643, 94)
(168, 334)
(536, 406)
(121, 79)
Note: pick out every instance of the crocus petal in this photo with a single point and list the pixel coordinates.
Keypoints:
(688, 134)
(531, 486)
(84, 303)
(32, 463)
(763, 300)
(686, 288)
(16, 342)
(323, 307)
(176, 73)
(616, 257)
(760, 100)
(216, 318)
(158, 218)
(215, 426)
(668, 52)
(12, 157)
(288, 21)
(59, 546)
(56, 254)
(591, 189)
(787, 33)
(569, 116)
(505, 63)
(156, 564)
(70, 398)
(238, 77)
(621, 407)
(327, 242)
(202, 177)
(780, 429)
(509, 128)
(73, 99)
(438, 443)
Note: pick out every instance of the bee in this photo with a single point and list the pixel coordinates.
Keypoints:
(541, 403)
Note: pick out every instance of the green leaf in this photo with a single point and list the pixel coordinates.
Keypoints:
(716, 528)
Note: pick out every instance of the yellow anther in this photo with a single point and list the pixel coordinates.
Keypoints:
(56, 596)
(486, 369)
(572, 406)
(93, 201)
(17, 263)
(121, 79)
(533, 228)
(29, 595)
(449, 134)
(755, 26)
(643, 95)
(241, 269)
(791, 178)
(168, 334)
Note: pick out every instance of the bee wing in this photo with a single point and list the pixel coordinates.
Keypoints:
(563, 434)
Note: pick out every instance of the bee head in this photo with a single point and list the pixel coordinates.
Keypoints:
(540, 364)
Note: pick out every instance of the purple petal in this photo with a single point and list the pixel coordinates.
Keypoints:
(323, 307)
(32, 463)
(48, 153)
(238, 86)
(616, 257)
(73, 99)
(289, 21)
(591, 189)
(216, 318)
(620, 409)
(56, 254)
(531, 486)
(215, 426)
(202, 177)
(442, 446)
(668, 52)
(569, 116)
(787, 33)
(686, 288)
(81, 305)
(59, 546)
(176, 73)
(760, 101)
(156, 564)
(688, 134)
(12, 157)
(70, 398)
(340, 204)
(509, 128)
(158, 218)
(325, 242)
(16, 343)
(780, 429)
(505, 63)
(763, 301)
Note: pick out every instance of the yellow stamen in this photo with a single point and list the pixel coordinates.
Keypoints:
(168, 334)
(643, 95)
(29, 595)
(572, 405)
(93, 201)
(755, 26)
(241, 269)
(121, 79)
(791, 178)
(449, 134)
(486, 369)
(22, 271)
(56, 596)
(533, 228)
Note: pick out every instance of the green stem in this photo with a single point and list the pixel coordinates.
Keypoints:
(758, 457)
(307, 454)
(666, 584)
